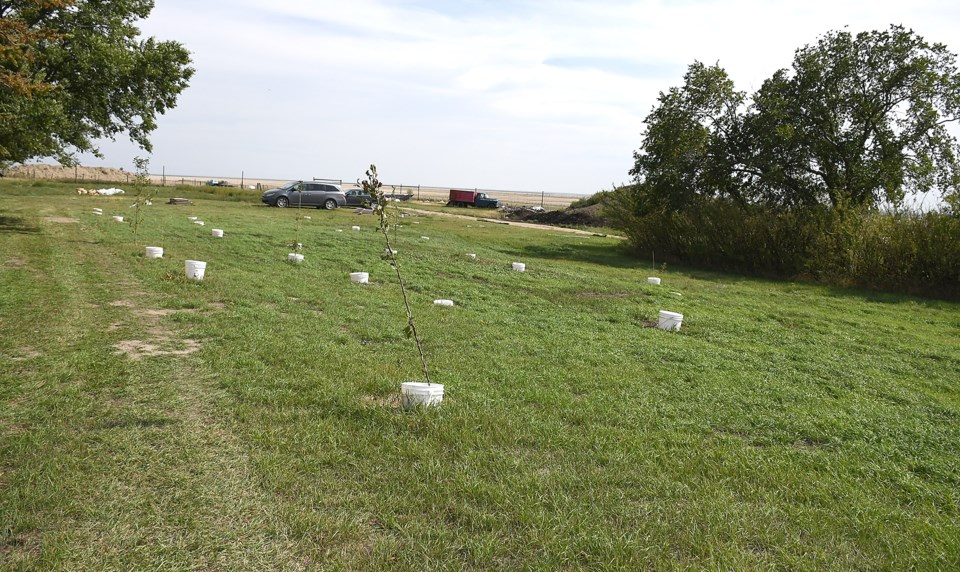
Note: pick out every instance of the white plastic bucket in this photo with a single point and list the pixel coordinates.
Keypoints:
(360, 277)
(118, 218)
(191, 218)
(195, 269)
(339, 230)
(355, 227)
(653, 280)
(154, 252)
(307, 217)
(425, 237)
(669, 321)
(217, 233)
(295, 257)
(200, 222)
(519, 266)
(97, 210)
(472, 255)
(389, 251)
(443, 302)
(420, 394)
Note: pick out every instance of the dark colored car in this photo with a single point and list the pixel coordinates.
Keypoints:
(319, 195)
(357, 197)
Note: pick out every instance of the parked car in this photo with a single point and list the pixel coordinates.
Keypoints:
(357, 197)
(319, 195)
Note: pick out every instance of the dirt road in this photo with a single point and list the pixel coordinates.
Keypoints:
(512, 223)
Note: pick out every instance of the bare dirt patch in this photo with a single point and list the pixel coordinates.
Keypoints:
(138, 349)
(163, 312)
(61, 219)
(13, 263)
(26, 353)
(122, 304)
(21, 547)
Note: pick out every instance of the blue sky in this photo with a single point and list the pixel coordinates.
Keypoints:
(529, 95)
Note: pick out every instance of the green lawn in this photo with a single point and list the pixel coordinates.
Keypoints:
(251, 421)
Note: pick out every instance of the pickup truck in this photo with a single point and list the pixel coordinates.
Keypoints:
(472, 198)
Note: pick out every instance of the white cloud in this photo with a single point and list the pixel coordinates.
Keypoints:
(497, 95)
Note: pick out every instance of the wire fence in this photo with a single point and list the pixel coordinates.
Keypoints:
(434, 193)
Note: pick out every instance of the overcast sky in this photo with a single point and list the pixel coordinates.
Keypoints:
(499, 94)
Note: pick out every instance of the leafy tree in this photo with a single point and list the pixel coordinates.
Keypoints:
(686, 149)
(75, 71)
(858, 121)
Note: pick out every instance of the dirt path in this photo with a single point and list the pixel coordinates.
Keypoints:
(513, 223)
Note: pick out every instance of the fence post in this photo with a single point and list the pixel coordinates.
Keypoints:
(241, 179)
(541, 199)
(418, 192)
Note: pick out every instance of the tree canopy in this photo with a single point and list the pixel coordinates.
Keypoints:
(857, 120)
(76, 71)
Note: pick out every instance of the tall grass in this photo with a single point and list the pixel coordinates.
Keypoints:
(904, 252)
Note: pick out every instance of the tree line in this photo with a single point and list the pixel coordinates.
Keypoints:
(788, 180)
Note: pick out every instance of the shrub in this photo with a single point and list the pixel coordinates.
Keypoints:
(905, 252)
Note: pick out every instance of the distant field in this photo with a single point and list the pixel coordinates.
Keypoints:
(91, 176)
(251, 421)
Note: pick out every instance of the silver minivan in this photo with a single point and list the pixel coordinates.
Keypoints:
(311, 194)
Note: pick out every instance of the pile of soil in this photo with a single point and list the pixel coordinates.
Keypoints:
(586, 216)
(58, 172)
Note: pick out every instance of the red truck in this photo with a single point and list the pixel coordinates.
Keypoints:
(472, 198)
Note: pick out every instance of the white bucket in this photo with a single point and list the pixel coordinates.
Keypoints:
(195, 269)
(417, 394)
(354, 227)
(360, 277)
(669, 321)
(295, 257)
(97, 210)
(217, 233)
(200, 222)
(118, 218)
(191, 218)
(425, 237)
(443, 302)
(154, 252)
(389, 251)
(519, 266)
(307, 217)
(653, 280)
(472, 255)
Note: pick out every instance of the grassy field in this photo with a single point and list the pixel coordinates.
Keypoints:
(251, 421)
